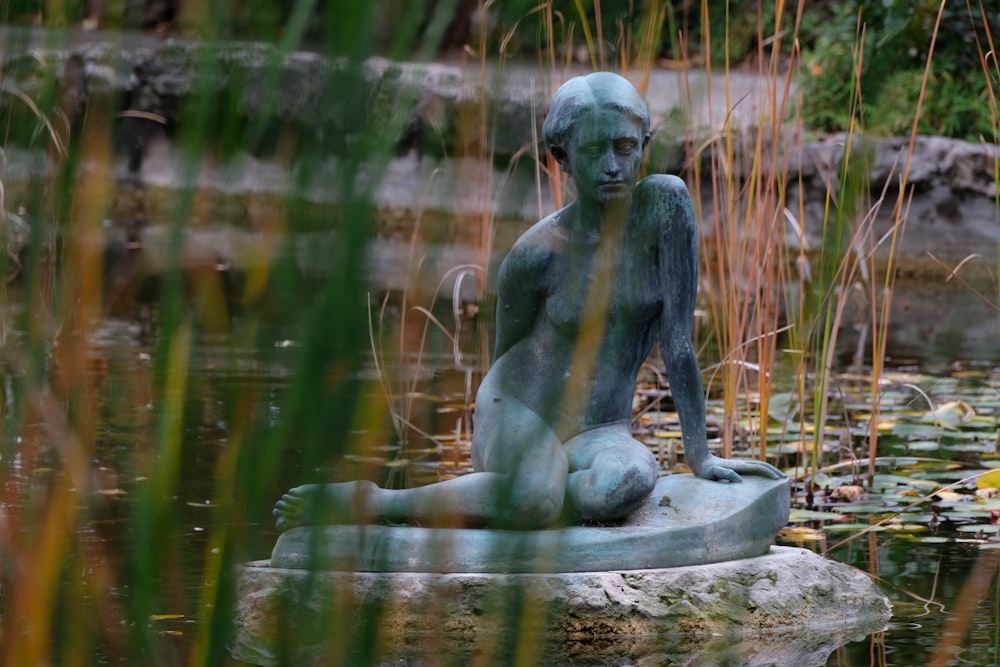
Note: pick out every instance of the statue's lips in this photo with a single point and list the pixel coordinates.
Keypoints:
(613, 185)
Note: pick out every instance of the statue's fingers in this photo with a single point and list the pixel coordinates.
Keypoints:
(770, 470)
(727, 474)
(762, 468)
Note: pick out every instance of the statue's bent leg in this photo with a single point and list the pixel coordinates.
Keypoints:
(611, 474)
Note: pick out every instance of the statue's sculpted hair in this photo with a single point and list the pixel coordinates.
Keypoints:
(600, 90)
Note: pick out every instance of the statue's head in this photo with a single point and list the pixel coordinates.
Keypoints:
(597, 127)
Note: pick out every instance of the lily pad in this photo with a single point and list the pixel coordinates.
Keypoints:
(990, 480)
(863, 508)
(798, 515)
(923, 446)
(950, 414)
(853, 527)
(985, 528)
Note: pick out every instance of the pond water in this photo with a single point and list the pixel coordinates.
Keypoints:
(940, 575)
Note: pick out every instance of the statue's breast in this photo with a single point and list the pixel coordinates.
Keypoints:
(623, 294)
(571, 309)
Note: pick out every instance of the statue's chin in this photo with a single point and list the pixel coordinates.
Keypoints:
(607, 194)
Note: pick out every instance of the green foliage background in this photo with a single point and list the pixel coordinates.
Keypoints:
(893, 38)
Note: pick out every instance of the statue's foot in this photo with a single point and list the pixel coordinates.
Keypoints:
(290, 510)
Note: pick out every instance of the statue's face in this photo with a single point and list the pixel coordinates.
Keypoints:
(604, 155)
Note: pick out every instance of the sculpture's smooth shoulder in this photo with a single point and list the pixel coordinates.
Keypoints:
(663, 188)
(533, 250)
(665, 184)
(659, 196)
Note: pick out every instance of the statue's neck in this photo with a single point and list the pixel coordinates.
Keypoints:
(589, 222)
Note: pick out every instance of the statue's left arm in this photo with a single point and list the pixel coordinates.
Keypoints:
(678, 256)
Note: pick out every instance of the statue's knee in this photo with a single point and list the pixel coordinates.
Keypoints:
(617, 491)
(638, 480)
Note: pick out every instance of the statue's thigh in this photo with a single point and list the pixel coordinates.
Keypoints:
(510, 437)
(610, 445)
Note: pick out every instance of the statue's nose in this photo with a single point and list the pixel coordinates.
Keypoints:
(611, 166)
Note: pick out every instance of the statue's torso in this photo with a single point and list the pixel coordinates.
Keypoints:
(595, 322)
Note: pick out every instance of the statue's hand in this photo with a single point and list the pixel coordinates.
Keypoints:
(717, 469)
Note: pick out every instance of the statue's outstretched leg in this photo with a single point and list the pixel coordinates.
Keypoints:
(611, 474)
(520, 482)
(466, 500)
(312, 504)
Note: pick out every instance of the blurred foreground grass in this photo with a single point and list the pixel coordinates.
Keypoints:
(141, 454)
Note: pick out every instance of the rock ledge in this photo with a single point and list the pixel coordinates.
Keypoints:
(790, 606)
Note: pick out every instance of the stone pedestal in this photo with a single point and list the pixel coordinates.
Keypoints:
(685, 521)
(787, 607)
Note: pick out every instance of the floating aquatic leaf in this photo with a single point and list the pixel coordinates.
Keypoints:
(919, 517)
(923, 445)
(981, 447)
(990, 480)
(863, 509)
(800, 534)
(853, 527)
(932, 464)
(782, 407)
(899, 483)
(924, 431)
(984, 529)
(791, 447)
(977, 507)
(950, 414)
(903, 498)
(966, 434)
(165, 617)
(799, 515)
(969, 373)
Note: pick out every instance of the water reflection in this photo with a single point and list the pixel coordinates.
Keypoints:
(946, 610)
(790, 648)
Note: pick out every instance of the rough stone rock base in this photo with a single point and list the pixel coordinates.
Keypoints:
(788, 607)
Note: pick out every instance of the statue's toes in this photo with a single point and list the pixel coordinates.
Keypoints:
(284, 523)
(287, 505)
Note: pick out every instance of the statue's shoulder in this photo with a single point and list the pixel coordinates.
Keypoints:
(538, 243)
(530, 256)
(665, 186)
(660, 195)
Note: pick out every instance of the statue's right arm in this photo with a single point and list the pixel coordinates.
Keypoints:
(519, 294)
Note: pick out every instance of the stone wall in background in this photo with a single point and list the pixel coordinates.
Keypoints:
(463, 146)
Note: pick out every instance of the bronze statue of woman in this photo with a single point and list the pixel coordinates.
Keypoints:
(582, 297)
